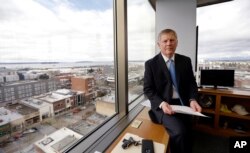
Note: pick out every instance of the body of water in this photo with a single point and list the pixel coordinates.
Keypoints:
(52, 65)
(57, 64)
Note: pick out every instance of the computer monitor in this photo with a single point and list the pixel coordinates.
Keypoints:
(212, 77)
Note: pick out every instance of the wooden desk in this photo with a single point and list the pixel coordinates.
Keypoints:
(147, 130)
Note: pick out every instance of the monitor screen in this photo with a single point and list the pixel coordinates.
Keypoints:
(216, 78)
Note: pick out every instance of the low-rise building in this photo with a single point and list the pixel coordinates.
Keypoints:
(10, 123)
(43, 108)
(85, 84)
(106, 105)
(62, 100)
(30, 115)
(12, 92)
(58, 141)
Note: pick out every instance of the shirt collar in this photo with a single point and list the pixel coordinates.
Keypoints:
(166, 58)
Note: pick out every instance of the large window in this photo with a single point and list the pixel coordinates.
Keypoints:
(141, 43)
(224, 36)
(56, 72)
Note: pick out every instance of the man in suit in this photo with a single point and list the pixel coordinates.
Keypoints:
(164, 88)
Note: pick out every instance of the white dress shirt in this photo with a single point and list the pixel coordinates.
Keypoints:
(175, 94)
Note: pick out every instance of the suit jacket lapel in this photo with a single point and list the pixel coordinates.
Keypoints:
(168, 91)
(177, 69)
(163, 66)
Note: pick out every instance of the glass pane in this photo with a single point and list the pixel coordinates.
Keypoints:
(224, 39)
(56, 72)
(141, 43)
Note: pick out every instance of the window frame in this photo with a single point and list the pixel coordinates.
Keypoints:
(105, 134)
(102, 136)
(89, 142)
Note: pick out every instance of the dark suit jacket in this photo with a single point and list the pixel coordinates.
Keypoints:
(157, 82)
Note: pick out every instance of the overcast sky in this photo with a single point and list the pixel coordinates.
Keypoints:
(79, 30)
(224, 30)
(55, 30)
(69, 30)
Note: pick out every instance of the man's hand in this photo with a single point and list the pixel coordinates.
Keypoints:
(167, 109)
(195, 106)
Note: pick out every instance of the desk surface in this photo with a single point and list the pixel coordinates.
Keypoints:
(147, 130)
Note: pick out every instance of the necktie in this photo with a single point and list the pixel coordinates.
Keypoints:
(172, 72)
(173, 77)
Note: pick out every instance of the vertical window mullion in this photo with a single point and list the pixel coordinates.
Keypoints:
(121, 56)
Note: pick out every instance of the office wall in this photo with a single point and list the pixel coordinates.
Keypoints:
(179, 15)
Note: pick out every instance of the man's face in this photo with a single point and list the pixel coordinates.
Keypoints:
(167, 44)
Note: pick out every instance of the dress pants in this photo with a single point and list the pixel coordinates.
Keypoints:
(179, 129)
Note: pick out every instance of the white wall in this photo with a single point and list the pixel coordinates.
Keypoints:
(179, 15)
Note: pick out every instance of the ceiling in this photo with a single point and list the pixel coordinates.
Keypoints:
(200, 3)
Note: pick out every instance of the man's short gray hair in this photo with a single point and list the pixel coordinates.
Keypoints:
(167, 31)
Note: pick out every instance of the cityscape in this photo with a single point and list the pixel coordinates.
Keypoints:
(50, 103)
(49, 107)
(241, 67)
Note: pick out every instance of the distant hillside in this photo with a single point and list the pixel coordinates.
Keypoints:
(29, 62)
(228, 59)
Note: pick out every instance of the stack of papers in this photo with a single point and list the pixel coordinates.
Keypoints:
(186, 110)
(178, 109)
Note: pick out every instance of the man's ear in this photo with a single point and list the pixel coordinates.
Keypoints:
(158, 44)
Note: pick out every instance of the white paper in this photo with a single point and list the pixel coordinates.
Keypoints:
(146, 103)
(186, 110)
(177, 109)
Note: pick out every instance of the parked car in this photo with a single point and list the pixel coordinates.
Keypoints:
(31, 130)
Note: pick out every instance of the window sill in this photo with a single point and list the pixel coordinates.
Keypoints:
(101, 139)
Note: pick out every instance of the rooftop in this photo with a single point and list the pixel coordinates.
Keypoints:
(58, 141)
(7, 116)
(21, 109)
(35, 103)
(83, 77)
(54, 97)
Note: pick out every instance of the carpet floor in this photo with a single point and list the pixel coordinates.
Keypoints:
(206, 143)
